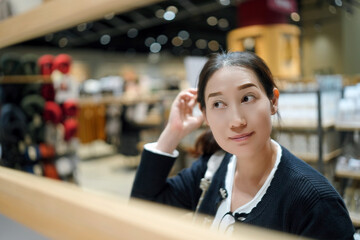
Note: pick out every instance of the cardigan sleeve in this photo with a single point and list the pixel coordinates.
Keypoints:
(327, 219)
(152, 182)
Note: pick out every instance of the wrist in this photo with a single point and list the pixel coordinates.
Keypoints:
(168, 141)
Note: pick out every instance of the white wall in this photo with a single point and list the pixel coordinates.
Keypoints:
(330, 42)
(321, 43)
(351, 43)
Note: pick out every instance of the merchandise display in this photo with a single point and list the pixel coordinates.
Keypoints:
(300, 121)
(348, 163)
(349, 105)
(111, 112)
(36, 127)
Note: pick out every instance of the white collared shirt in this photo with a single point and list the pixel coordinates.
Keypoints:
(223, 221)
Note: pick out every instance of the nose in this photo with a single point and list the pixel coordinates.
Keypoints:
(237, 118)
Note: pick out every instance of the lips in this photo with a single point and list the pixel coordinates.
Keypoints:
(242, 137)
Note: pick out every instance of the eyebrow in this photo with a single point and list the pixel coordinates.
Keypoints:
(247, 85)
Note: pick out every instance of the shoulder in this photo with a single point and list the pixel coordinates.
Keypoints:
(304, 179)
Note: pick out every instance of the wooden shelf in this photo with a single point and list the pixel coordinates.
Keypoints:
(56, 15)
(301, 125)
(121, 100)
(348, 125)
(25, 79)
(348, 174)
(313, 158)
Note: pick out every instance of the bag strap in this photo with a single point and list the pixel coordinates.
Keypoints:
(212, 166)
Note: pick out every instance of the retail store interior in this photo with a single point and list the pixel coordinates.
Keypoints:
(79, 99)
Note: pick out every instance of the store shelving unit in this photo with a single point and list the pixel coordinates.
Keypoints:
(348, 127)
(348, 174)
(309, 127)
(320, 127)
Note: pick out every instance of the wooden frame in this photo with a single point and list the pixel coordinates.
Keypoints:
(56, 15)
(60, 210)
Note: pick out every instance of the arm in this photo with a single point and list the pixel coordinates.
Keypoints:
(151, 181)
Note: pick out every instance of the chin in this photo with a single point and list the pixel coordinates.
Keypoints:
(240, 151)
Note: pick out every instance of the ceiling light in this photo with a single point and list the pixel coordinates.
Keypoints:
(162, 39)
(177, 41)
(49, 37)
(63, 42)
(169, 15)
(172, 9)
(332, 9)
(184, 34)
(201, 43)
(132, 33)
(224, 2)
(149, 41)
(109, 16)
(155, 47)
(160, 13)
(213, 45)
(223, 23)
(81, 27)
(105, 39)
(212, 21)
(338, 3)
(249, 43)
(295, 16)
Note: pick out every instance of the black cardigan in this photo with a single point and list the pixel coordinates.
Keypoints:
(299, 199)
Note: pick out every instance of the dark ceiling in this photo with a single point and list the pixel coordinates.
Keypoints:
(145, 30)
(135, 31)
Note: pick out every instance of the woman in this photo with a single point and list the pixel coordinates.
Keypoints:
(257, 181)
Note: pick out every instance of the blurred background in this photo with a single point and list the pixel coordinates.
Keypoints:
(84, 85)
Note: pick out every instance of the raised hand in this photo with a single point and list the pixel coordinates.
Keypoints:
(181, 121)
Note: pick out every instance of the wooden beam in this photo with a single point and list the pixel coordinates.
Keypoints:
(60, 210)
(56, 15)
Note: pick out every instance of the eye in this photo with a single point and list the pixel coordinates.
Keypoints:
(218, 104)
(248, 98)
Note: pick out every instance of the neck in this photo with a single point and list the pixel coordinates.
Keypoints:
(253, 170)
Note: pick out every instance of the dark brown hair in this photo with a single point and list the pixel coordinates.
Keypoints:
(206, 143)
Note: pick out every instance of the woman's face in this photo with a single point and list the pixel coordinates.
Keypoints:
(238, 111)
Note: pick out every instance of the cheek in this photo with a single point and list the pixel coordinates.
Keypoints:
(216, 122)
(259, 115)
(213, 119)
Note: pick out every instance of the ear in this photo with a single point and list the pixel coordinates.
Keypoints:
(275, 101)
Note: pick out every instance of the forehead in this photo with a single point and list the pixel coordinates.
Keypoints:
(232, 76)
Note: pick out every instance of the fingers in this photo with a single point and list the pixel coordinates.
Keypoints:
(190, 104)
(189, 96)
(186, 99)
